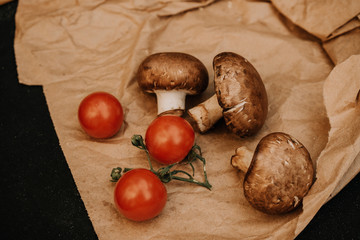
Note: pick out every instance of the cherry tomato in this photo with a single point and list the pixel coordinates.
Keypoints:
(169, 139)
(100, 115)
(140, 195)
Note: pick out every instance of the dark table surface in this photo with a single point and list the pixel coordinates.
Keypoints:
(38, 194)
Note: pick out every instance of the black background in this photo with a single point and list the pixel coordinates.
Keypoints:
(39, 199)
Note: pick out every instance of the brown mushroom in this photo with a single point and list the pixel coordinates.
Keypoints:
(278, 175)
(171, 76)
(240, 94)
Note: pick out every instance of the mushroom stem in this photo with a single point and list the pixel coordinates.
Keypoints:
(206, 114)
(170, 102)
(242, 159)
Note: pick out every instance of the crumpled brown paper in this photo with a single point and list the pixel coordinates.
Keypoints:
(73, 48)
(323, 18)
(343, 46)
(335, 23)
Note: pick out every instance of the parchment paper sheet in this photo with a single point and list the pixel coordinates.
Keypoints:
(73, 48)
(323, 18)
(335, 23)
(343, 46)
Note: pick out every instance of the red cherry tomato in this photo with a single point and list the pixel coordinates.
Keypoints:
(100, 115)
(169, 139)
(140, 195)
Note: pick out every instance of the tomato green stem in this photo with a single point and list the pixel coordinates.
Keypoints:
(203, 184)
(191, 157)
(164, 173)
(116, 173)
(138, 141)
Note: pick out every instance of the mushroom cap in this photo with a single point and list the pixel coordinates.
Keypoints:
(241, 93)
(280, 174)
(172, 70)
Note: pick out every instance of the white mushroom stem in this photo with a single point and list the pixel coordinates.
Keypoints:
(170, 101)
(242, 159)
(206, 114)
